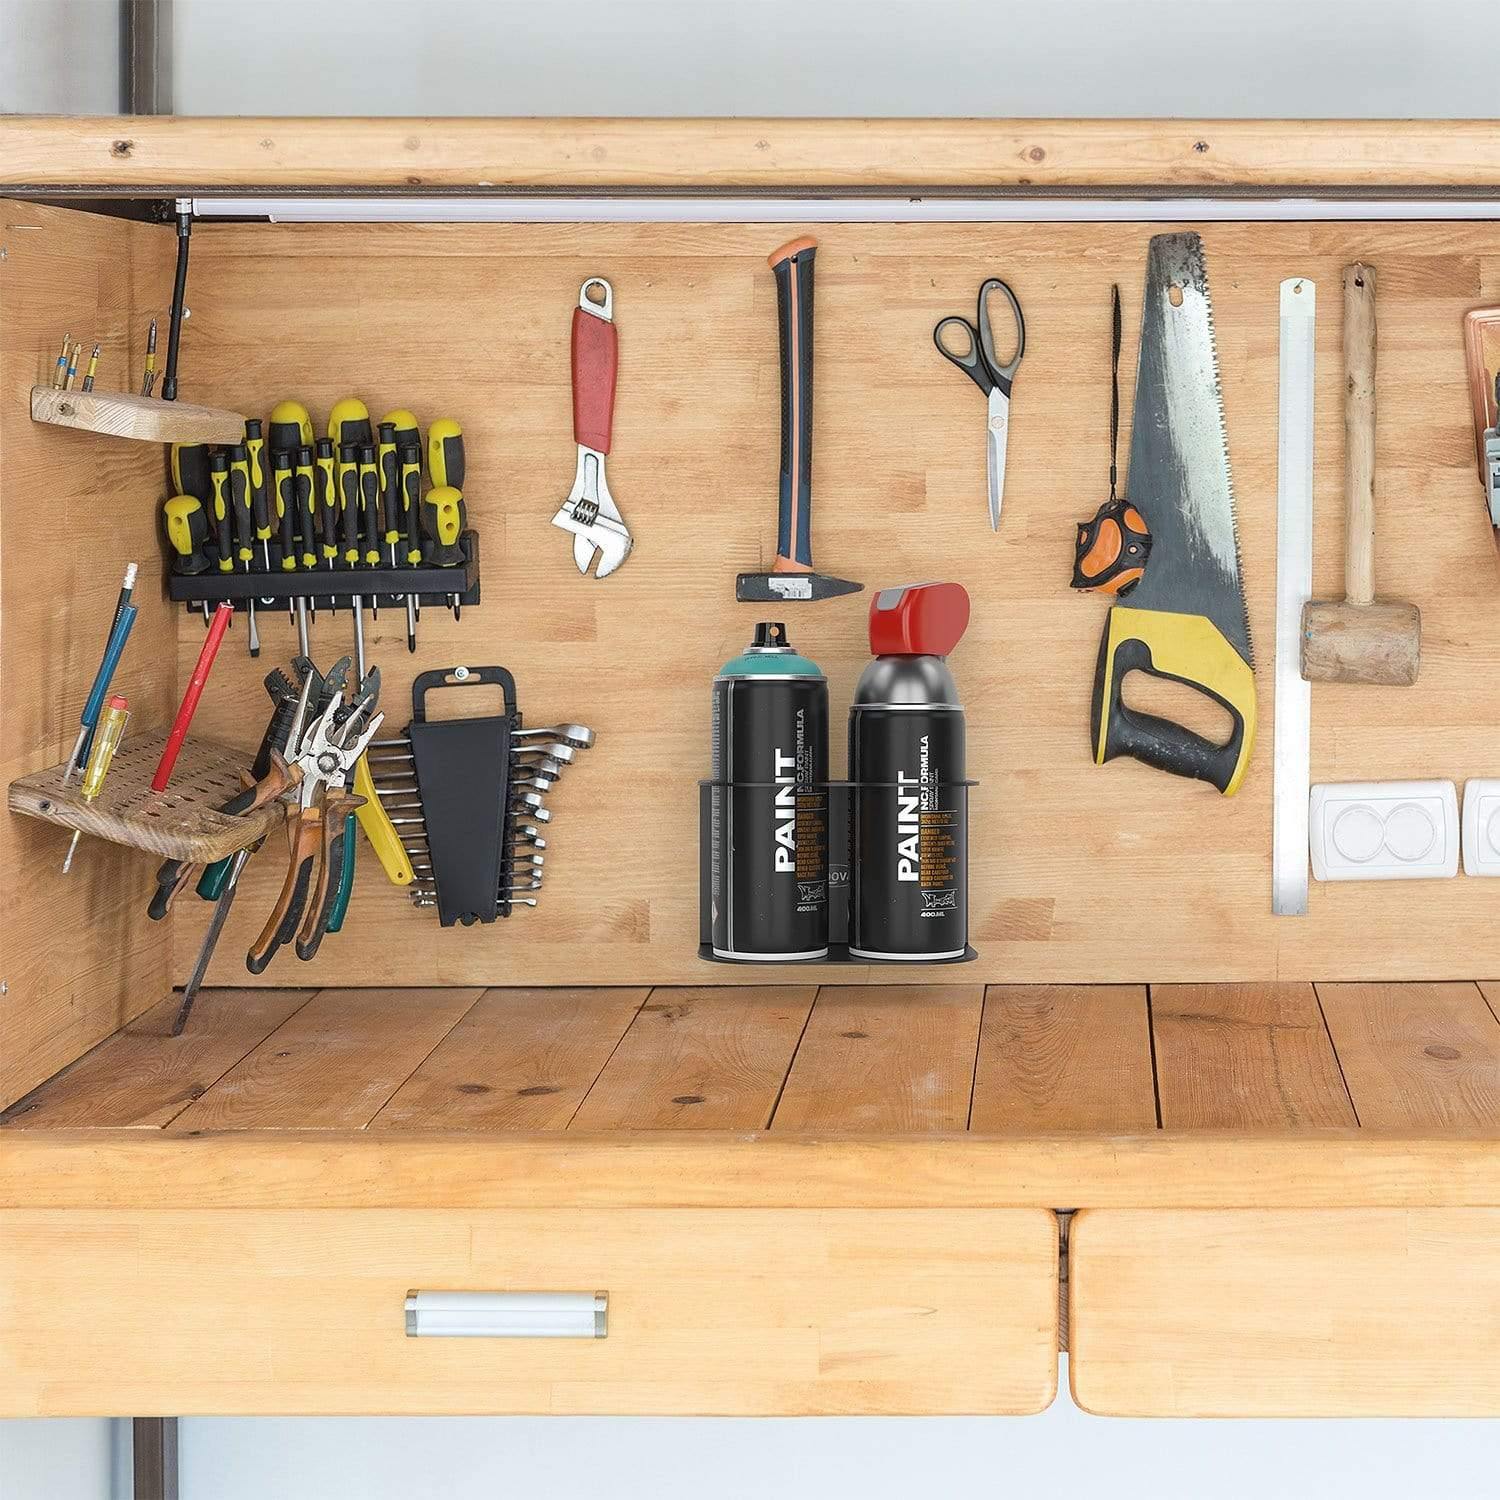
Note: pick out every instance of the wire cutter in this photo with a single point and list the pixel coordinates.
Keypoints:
(978, 360)
(324, 756)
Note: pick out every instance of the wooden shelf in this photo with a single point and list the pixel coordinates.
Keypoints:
(181, 823)
(144, 418)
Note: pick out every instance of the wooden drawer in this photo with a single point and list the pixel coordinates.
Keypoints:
(736, 1311)
(1340, 1312)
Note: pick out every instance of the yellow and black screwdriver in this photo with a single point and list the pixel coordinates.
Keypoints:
(187, 530)
(369, 514)
(291, 428)
(390, 511)
(326, 505)
(411, 512)
(244, 527)
(348, 473)
(218, 478)
(445, 468)
(188, 463)
(349, 423)
(260, 492)
(305, 487)
(284, 489)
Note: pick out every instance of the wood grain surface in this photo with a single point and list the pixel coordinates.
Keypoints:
(77, 956)
(147, 419)
(409, 154)
(1064, 1057)
(1245, 1057)
(1079, 873)
(1337, 1313)
(897, 1061)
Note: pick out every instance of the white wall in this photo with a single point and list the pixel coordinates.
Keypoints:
(837, 57)
(59, 56)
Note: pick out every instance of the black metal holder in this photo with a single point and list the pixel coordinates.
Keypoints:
(463, 772)
(330, 586)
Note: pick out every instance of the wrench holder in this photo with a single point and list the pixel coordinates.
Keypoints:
(463, 773)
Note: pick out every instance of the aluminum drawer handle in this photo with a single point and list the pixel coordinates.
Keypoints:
(507, 1315)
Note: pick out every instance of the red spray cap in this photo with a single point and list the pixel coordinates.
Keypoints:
(921, 619)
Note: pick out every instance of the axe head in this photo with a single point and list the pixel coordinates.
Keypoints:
(773, 588)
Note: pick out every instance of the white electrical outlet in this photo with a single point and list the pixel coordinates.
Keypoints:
(1481, 827)
(1387, 830)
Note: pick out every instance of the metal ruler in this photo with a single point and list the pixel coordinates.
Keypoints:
(1294, 518)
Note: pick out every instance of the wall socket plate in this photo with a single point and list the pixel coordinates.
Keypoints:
(1386, 830)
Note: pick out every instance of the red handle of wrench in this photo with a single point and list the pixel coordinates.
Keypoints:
(595, 359)
(216, 629)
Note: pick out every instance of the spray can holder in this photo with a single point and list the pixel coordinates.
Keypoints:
(839, 801)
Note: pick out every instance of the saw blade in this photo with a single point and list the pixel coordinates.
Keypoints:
(1179, 454)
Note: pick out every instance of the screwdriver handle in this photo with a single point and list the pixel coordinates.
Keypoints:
(218, 478)
(307, 525)
(349, 502)
(445, 447)
(284, 489)
(325, 501)
(443, 520)
(239, 505)
(260, 493)
(187, 531)
(369, 508)
(390, 486)
(411, 501)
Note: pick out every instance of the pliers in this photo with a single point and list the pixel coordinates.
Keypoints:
(320, 762)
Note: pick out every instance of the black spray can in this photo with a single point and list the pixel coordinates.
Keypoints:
(909, 795)
(768, 823)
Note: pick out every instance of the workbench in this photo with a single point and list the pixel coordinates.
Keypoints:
(1234, 1164)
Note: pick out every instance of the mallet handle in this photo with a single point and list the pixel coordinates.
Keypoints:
(1359, 433)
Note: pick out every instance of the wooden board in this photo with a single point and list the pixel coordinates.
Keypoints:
(78, 959)
(519, 1060)
(1245, 1057)
(1064, 1057)
(331, 1065)
(700, 1059)
(147, 419)
(1417, 1057)
(790, 1312)
(1344, 1313)
(143, 1076)
(410, 154)
(896, 1061)
(183, 822)
(471, 320)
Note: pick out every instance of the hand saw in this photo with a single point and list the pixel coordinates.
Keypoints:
(1186, 620)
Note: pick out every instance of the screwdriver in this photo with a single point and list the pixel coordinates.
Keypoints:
(349, 423)
(291, 427)
(284, 489)
(307, 521)
(107, 737)
(411, 509)
(390, 506)
(73, 359)
(260, 500)
(190, 470)
(326, 504)
(93, 369)
(445, 467)
(60, 369)
(218, 475)
(443, 521)
(244, 526)
(348, 474)
(369, 512)
(187, 531)
(149, 379)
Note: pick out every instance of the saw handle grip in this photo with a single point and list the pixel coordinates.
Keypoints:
(595, 359)
(792, 266)
(1179, 648)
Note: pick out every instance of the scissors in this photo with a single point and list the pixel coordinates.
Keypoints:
(977, 359)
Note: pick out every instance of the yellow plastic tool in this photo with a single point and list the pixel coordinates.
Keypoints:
(379, 829)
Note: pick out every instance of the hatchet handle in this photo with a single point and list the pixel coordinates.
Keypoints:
(1359, 433)
(792, 266)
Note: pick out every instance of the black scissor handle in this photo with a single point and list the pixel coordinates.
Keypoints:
(1002, 374)
(971, 360)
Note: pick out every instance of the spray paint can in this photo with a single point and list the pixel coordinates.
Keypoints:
(909, 894)
(768, 828)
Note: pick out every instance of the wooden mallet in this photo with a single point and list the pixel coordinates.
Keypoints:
(1360, 638)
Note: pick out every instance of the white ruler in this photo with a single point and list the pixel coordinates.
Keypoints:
(1294, 518)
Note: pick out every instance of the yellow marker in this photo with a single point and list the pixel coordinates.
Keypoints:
(108, 733)
(379, 829)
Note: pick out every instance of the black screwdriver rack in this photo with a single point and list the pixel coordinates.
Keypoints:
(329, 586)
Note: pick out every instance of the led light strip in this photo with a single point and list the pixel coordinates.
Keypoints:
(714, 209)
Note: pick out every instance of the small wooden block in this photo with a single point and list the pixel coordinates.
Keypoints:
(1378, 643)
(145, 418)
(182, 822)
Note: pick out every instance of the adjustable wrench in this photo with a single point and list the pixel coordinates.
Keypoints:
(589, 512)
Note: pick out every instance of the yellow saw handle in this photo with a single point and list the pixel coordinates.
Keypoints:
(1181, 648)
(379, 829)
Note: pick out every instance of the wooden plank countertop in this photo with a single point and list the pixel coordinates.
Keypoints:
(143, 153)
(1275, 1095)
